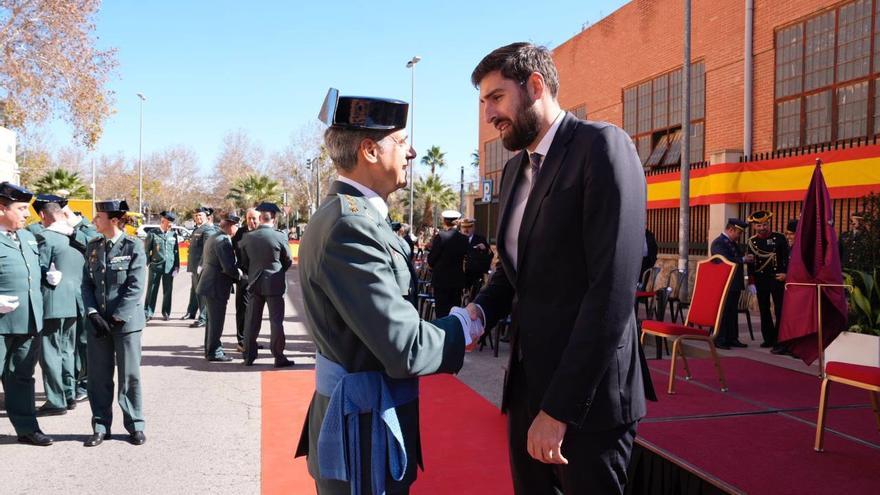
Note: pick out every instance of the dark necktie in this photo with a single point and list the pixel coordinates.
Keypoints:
(534, 166)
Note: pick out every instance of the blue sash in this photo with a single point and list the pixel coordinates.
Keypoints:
(352, 394)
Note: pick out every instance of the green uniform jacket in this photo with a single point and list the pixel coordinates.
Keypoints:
(83, 233)
(20, 276)
(219, 270)
(355, 282)
(163, 251)
(60, 301)
(113, 283)
(35, 228)
(266, 254)
(197, 245)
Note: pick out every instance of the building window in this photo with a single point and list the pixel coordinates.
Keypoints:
(493, 160)
(824, 88)
(652, 116)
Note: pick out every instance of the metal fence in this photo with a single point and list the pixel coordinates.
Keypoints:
(783, 211)
(663, 222)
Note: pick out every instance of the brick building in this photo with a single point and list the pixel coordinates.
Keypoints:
(816, 94)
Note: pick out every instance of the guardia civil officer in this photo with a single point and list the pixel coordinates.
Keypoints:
(113, 288)
(40, 201)
(62, 266)
(220, 271)
(21, 312)
(266, 255)
(164, 263)
(251, 219)
(204, 219)
(726, 245)
(448, 250)
(767, 273)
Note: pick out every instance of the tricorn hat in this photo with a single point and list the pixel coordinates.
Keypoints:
(760, 216)
(14, 192)
(168, 215)
(270, 207)
(42, 200)
(363, 112)
(205, 210)
(111, 205)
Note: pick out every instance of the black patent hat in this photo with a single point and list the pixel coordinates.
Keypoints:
(205, 210)
(232, 218)
(363, 112)
(270, 207)
(111, 205)
(168, 215)
(15, 192)
(43, 199)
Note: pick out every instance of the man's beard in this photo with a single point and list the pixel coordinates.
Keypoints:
(523, 129)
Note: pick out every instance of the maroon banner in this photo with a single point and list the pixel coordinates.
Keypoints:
(814, 260)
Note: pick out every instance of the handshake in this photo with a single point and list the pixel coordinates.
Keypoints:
(471, 324)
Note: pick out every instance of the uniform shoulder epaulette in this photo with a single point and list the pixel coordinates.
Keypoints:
(100, 238)
(351, 205)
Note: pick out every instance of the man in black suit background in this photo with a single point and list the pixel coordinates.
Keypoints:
(446, 258)
(570, 240)
(649, 251)
(478, 260)
(726, 246)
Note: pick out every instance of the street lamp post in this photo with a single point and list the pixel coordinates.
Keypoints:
(312, 164)
(412, 121)
(140, 151)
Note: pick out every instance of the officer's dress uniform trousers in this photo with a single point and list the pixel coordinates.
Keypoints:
(57, 360)
(123, 350)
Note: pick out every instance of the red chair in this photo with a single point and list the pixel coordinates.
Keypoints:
(707, 305)
(856, 375)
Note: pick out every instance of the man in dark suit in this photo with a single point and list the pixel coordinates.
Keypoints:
(251, 219)
(219, 272)
(478, 260)
(570, 243)
(726, 246)
(649, 251)
(446, 258)
(266, 254)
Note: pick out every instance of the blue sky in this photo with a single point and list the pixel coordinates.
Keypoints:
(208, 68)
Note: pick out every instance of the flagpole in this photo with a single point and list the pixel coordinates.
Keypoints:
(819, 316)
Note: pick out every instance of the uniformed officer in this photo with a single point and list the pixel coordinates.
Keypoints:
(40, 201)
(251, 219)
(726, 246)
(855, 245)
(266, 255)
(790, 231)
(21, 312)
(62, 267)
(446, 258)
(220, 270)
(205, 228)
(767, 274)
(113, 288)
(83, 232)
(357, 295)
(164, 262)
(479, 256)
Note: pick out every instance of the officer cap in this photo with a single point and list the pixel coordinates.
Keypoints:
(450, 215)
(736, 222)
(42, 200)
(15, 193)
(792, 226)
(232, 218)
(761, 216)
(168, 215)
(111, 205)
(395, 226)
(361, 112)
(467, 222)
(205, 210)
(270, 207)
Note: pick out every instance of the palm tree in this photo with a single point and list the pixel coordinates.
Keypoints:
(252, 189)
(434, 158)
(475, 159)
(434, 194)
(63, 183)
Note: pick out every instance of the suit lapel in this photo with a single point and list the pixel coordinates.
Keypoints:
(547, 174)
(4, 239)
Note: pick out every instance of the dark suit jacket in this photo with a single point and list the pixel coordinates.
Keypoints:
(446, 258)
(219, 270)
(266, 255)
(732, 252)
(478, 261)
(649, 260)
(573, 289)
(197, 245)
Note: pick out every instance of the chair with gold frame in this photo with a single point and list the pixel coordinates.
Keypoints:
(855, 375)
(711, 285)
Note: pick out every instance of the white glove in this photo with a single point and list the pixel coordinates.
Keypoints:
(53, 276)
(174, 273)
(752, 289)
(199, 269)
(8, 304)
(473, 329)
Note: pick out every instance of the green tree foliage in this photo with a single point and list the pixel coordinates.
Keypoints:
(433, 195)
(253, 189)
(63, 183)
(434, 158)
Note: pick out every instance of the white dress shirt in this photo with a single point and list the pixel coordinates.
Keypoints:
(369, 194)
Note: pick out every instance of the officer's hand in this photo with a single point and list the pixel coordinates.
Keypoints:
(752, 289)
(102, 329)
(174, 273)
(53, 276)
(780, 277)
(8, 304)
(749, 258)
(116, 323)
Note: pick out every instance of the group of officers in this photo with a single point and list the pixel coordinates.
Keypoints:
(72, 298)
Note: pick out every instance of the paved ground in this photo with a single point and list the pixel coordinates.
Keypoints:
(202, 419)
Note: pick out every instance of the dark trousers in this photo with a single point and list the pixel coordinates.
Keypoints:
(216, 309)
(767, 286)
(19, 360)
(124, 351)
(255, 321)
(57, 360)
(241, 303)
(192, 308)
(154, 279)
(80, 352)
(729, 331)
(444, 299)
(203, 314)
(597, 461)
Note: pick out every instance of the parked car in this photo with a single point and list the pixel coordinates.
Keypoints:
(143, 230)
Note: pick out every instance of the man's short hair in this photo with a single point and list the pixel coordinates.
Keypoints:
(342, 145)
(518, 61)
(51, 209)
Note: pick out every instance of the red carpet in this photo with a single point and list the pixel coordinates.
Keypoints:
(464, 438)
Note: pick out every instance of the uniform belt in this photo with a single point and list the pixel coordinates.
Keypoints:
(352, 394)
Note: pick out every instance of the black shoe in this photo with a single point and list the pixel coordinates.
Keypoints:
(765, 345)
(187, 317)
(166, 317)
(47, 410)
(137, 438)
(36, 438)
(71, 405)
(197, 324)
(96, 439)
(81, 396)
(248, 362)
(737, 343)
(284, 363)
(778, 350)
(220, 359)
(260, 346)
(148, 318)
(722, 345)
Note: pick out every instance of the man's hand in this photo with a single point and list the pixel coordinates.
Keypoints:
(174, 272)
(475, 312)
(753, 289)
(8, 304)
(544, 442)
(102, 328)
(473, 328)
(53, 276)
(749, 258)
(780, 277)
